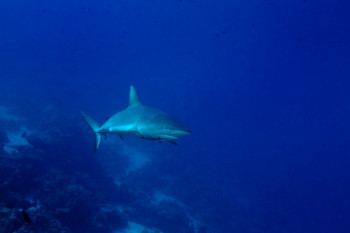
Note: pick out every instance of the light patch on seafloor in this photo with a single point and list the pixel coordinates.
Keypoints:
(137, 159)
(159, 197)
(134, 227)
(6, 115)
(195, 223)
(3, 208)
(15, 137)
(15, 140)
(109, 208)
(117, 182)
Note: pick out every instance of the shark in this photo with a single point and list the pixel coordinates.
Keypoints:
(139, 121)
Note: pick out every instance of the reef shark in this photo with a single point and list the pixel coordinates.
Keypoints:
(139, 121)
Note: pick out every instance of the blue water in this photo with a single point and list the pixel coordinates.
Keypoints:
(263, 85)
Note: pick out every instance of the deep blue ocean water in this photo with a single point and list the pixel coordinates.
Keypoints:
(263, 85)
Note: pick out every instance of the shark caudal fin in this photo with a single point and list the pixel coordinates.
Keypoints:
(94, 126)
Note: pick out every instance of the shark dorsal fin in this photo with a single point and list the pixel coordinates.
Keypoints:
(133, 97)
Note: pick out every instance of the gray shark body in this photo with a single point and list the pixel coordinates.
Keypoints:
(139, 121)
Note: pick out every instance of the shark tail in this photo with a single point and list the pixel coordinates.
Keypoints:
(94, 126)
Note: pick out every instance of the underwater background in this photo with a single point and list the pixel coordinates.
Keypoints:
(263, 85)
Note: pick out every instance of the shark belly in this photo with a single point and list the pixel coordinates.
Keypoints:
(125, 130)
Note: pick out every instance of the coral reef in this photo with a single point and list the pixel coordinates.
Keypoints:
(65, 188)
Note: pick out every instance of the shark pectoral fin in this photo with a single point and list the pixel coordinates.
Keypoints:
(174, 143)
(94, 126)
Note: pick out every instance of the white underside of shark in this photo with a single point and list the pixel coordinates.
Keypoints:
(139, 121)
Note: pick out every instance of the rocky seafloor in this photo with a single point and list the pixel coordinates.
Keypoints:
(48, 169)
